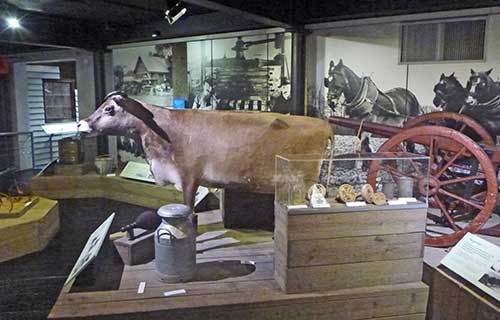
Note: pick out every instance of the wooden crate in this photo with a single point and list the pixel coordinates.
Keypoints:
(340, 248)
(452, 298)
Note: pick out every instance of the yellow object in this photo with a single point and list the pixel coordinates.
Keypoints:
(30, 232)
(13, 207)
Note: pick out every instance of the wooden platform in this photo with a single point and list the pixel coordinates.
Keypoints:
(30, 232)
(235, 281)
(236, 295)
(14, 208)
(115, 188)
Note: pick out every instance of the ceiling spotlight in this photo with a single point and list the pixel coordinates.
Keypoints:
(156, 34)
(13, 23)
(174, 13)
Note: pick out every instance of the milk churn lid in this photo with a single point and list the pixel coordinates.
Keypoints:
(174, 210)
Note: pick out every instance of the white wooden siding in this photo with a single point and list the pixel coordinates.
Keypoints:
(35, 76)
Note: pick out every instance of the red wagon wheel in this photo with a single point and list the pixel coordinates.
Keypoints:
(457, 121)
(456, 162)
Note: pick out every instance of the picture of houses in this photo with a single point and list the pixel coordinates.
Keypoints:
(145, 73)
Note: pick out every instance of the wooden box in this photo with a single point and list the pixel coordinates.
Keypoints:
(339, 247)
(141, 250)
(453, 298)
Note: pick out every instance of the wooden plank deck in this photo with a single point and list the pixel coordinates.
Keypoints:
(236, 281)
(115, 188)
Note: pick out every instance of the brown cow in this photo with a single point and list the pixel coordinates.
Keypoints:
(224, 149)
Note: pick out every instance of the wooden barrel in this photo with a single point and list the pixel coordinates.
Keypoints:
(70, 151)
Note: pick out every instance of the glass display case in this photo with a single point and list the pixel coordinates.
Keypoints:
(352, 180)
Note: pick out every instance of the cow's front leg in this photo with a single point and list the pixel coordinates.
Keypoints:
(189, 192)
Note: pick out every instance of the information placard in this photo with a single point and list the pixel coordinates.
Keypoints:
(91, 248)
(137, 171)
(477, 261)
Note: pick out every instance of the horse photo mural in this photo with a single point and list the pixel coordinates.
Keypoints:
(364, 101)
(358, 97)
(480, 99)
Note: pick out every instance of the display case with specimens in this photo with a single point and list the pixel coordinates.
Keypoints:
(372, 180)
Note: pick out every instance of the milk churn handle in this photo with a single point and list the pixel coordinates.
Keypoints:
(163, 231)
(173, 232)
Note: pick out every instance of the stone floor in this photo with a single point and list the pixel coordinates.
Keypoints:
(29, 285)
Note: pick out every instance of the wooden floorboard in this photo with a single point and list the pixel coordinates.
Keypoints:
(399, 296)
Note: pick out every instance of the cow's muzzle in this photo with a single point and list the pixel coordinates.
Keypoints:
(83, 126)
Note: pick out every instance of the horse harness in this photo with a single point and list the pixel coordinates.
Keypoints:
(482, 110)
(365, 101)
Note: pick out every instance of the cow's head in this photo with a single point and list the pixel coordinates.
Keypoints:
(120, 115)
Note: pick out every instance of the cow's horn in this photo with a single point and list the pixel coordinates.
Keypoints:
(135, 108)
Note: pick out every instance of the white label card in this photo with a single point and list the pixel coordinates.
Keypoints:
(396, 202)
(355, 204)
(174, 292)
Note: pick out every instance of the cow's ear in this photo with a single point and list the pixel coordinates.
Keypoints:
(489, 71)
(442, 77)
(137, 109)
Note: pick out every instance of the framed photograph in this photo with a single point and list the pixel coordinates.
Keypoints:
(59, 100)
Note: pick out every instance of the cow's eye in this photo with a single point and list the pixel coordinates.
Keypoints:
(108, 109)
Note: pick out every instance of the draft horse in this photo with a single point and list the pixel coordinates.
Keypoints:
(449, 94)
(364, 101)
(483, 100)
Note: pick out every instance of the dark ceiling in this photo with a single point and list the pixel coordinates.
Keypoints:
(93, 24)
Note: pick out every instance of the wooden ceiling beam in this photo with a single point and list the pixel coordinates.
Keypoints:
(213, 5)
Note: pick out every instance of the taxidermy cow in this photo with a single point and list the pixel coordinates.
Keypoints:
(224, 149)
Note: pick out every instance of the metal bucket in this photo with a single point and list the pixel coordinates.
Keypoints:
(405, 187)
(388, 189)
(70, 151)
(175, 244)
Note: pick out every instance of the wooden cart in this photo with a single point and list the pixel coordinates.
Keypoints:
(462, 184)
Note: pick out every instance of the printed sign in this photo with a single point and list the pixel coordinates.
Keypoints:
(477, 261)
(137, 171)
(91, 249)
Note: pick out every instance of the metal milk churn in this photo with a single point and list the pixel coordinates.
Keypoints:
(405, 187)
(175, 243)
